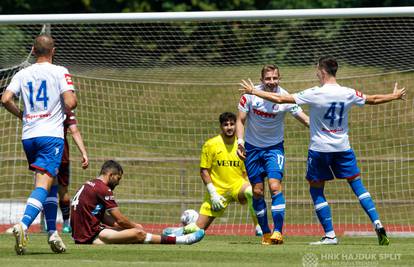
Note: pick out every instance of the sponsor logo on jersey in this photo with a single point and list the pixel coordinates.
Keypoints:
(359, 94)
(263, 114)
(68, 78)
(337, 130)
(109, 198)
(35, 116)
(243, 101)
(228, 163)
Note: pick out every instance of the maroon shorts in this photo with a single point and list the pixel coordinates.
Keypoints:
(64, 173)
(90, 241)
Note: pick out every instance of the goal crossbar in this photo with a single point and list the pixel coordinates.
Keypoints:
(210, 15)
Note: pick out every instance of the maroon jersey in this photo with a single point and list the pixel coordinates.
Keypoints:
(88, 209)
(70, 119)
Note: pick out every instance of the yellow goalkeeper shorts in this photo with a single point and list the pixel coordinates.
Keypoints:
(230, 194)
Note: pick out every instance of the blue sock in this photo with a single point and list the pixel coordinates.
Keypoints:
(50, 209)
(278, 211)
(259, 206)
(34, 205)
(365, 199)
(322, 209)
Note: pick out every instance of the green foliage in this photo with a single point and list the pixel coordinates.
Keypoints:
(12, 50)
(104, 6)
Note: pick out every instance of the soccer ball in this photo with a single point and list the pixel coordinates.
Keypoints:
(189, 216)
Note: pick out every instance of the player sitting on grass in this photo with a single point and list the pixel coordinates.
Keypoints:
(96, 218)
(224, 176)
(330, 154)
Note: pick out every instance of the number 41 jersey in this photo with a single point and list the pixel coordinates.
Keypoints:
(328, 111)
(40, 86)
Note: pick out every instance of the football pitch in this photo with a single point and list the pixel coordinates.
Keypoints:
(215, 251)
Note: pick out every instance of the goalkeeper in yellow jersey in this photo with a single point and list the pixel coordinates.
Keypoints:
(224, 176)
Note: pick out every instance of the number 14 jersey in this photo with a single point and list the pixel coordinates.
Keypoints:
(328, 112)
(40, 86)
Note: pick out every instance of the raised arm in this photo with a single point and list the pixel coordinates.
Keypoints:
(77, 137)
(380, 99)
(248, 88)
(8, 103)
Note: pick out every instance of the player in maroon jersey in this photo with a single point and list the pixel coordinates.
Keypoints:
(97, 219)
(70, 125)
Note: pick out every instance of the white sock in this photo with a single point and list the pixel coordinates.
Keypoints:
(148, 238)
(377, 224)
(330, 234)
(182, 239)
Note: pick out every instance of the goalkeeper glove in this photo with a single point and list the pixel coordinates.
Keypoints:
(217, 200)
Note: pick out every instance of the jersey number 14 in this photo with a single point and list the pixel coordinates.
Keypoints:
(41, 96)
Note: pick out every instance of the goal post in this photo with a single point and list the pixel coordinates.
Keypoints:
(151, 86)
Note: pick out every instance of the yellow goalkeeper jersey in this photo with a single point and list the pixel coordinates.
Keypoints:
(225, 167)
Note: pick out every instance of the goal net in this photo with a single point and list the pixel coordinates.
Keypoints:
(150, 91)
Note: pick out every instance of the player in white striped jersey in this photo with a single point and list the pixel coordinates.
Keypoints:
(330, 155)
(42, 86)
(261, 124)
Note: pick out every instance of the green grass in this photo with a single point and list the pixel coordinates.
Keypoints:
(214, 251)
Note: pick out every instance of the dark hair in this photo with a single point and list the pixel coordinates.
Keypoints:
(227, 116)
(269, 67)
(43, 45)
(329, 64)
(111, 166)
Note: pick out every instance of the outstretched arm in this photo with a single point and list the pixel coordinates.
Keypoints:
(380, 99)
(248, 88)
(77, 137)
(8, 103)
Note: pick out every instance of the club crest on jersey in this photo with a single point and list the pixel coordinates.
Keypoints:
(68, 78)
